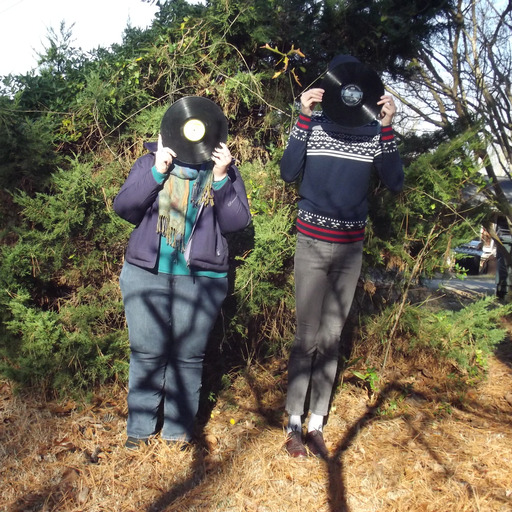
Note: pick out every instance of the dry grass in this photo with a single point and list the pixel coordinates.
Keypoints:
(413, 446)
(420, 443)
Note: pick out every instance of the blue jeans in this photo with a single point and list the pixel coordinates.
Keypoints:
(326, 276)
(169, 321)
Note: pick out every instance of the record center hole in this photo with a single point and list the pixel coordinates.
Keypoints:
(351, 95)
(194, 130)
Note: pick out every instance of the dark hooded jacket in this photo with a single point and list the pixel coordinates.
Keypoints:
(137, 203)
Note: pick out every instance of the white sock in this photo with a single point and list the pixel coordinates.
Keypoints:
(316, 422)
(294, 423)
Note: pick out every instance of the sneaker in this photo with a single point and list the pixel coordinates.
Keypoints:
(316, 444)
(182, 446)
(133, 443)
(294, 445)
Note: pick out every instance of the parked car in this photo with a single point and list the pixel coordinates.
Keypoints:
(473, 255)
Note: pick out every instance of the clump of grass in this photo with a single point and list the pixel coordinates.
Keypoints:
(465, 338)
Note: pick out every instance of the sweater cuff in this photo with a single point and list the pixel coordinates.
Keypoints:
(387, 133)
(304, 122)
(216, 185)
(159, 177)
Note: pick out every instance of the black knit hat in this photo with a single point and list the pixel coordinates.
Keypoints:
(341, 59)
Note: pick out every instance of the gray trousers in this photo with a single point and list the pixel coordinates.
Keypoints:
(326, 276)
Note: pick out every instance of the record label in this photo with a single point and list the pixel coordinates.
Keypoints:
(194, 130)
(351, 95)
(193, 127)
(352, 91)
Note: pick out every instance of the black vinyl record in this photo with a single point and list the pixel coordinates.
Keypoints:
(193, 127)
(352, 91)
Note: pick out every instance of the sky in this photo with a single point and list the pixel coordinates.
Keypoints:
(24, 26)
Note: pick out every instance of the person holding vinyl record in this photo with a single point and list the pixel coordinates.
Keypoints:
(332, 154)
(174, 279)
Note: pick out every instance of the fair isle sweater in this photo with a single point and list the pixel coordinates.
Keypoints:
(334, 165)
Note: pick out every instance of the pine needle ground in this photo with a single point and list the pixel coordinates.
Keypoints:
(415, 444)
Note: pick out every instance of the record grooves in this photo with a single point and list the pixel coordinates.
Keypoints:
(193, 127)
(352, 91)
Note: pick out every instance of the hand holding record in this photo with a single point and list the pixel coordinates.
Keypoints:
(309, 100)
(163, 157)
(388, 109)
(222, 159)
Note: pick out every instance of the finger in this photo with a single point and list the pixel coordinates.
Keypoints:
(316, 91)
(315, 98)
(386, 98)
(313, 94)
(169, 156)
(160, 144)
(222, 151)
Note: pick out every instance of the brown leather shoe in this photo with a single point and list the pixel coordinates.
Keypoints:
(294, 445)
(316, 444)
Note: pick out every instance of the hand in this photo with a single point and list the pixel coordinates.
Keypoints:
(222, 159)
(163, 157)
(388, 110)
(309, 100)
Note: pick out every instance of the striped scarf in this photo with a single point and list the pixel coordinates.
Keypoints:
(173, 201)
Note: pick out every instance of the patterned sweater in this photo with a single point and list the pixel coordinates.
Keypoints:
(334, 166)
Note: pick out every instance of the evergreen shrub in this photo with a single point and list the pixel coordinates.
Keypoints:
(464, 338)
(263, 284)
(62, 317)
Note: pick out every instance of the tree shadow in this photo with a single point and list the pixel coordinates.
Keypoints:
(335, 484)
(336, 487)
(219, 363)
(504, 352)
(219, 360)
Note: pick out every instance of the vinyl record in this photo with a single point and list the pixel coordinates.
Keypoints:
(193, 127)
(352, 91)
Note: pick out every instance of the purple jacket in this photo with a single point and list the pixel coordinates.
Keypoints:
(137, 202)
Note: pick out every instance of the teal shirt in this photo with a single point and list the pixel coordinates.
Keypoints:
(171, 260)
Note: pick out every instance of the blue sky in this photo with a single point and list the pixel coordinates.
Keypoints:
(24, 26)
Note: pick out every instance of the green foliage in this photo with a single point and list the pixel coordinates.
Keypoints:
(263, 286)
(385, 34)
(146, 124)
(67, 349)
(71, 130)
(27, 152)
(62, 321)
(434, 214)
(64, 220)
(59, 78)
(369, 376)
(465, 338)
(266, 192)
(259, 282)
